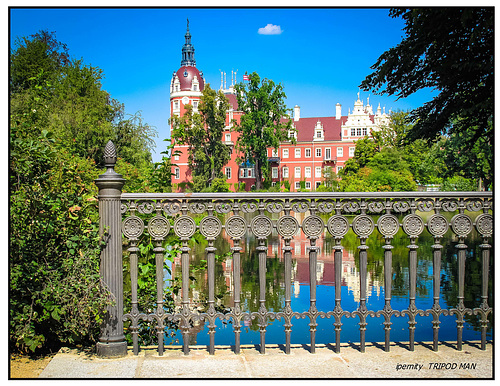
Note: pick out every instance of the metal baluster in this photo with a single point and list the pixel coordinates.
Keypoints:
(134, 316)
(236, 227)
(363, 226)
(388, 226)
(461, 225)
(160, 313)
(185, 297)
(288, 284)
(236, 312)
(338, 226)
(484, 309)
(262, 313)
(484, 226)
(262, 227)
(413, 225)
(337, 312)
(437, 226)
(287, 227)
(132, 228)
(210, 228)
(211, 294)
(313, 311)
(412, 266)
(185, 227)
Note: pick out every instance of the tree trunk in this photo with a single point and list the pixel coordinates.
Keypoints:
(258, 175)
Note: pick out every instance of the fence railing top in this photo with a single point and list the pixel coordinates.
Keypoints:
(301, 195)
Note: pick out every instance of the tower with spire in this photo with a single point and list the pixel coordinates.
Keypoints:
(188, 50)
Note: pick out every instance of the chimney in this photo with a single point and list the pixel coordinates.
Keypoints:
(338, 114)
(296, 113)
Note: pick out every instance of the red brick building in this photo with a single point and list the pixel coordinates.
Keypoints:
(320, 141)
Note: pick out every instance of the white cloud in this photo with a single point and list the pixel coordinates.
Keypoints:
(270, 29)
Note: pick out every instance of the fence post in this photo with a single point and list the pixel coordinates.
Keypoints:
(112, 340)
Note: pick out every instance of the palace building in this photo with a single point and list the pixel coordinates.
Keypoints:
(320, 142)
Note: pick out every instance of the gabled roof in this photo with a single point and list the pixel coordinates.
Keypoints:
(331, 128)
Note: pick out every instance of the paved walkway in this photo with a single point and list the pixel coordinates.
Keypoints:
(350, 363)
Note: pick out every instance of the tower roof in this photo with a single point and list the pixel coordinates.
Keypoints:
(188, 50)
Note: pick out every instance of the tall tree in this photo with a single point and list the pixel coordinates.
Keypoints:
(449, 50)
(262, 126)
(202, 131)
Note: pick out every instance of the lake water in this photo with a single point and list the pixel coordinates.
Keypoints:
(325, 292)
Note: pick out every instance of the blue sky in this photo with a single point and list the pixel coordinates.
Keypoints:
(319, 55)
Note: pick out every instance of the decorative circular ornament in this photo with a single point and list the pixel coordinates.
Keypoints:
(413, 225)
(363, 225)
(484, 224)
(261, 226)
(210, 226)
(313, 226)
(461, 224)
(236, 227)
(185, 100)
(158, 227)
(388, 225)
(184, 227)
(287, 226)
(338, 225)
(132, 227)
(437, 225)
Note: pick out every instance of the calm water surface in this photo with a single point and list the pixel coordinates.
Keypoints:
(325, 292)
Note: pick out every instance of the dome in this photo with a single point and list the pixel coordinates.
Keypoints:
(186, 76)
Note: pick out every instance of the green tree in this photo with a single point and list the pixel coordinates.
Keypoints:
(451, 51)
(59, 115)
(262, 126)
(202, 132)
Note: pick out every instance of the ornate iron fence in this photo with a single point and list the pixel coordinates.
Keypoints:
(162, 214)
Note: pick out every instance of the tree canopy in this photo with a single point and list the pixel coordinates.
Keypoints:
(202, 131)
(262, 125)
(451, 51)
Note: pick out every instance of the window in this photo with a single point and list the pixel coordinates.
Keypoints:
(318, 152)
(318, 133)
(195, 104)
(228, 173)
(274, 153)
(318, 183)
(358, 131)
(365, 131)
(228, 137)
(195, 87)
(176, 88)
(250, 173)
(285, 172)
(351, 151)
(339, 168)
(297, 153)
(308, 185)
(353, 132)
(176, 105)
(340, 152)
(176, 157)
(297, 172)
(292, 134)
(177, 173)
(285, 153)
(317, 171)
(308, 153)
(275, 172)
(307, 171)
(328, 153)
(297, 185)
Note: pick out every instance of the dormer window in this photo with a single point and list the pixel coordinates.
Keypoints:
(318, 131)
(185, 74)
